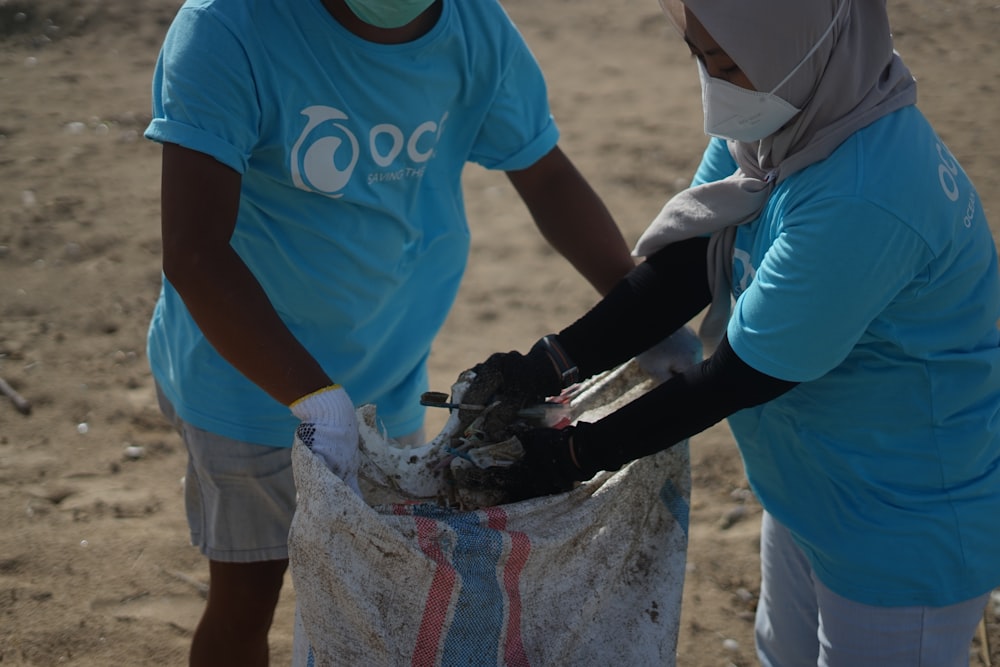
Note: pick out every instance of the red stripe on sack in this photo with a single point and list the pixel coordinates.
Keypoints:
(439, 597)
(520, 547)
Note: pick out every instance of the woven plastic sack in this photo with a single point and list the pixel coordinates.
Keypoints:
(589, 577)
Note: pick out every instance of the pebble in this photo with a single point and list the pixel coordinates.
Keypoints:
(741, 495)
(733, 516)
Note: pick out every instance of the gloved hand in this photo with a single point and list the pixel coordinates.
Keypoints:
(546, 468)
(329, 428)
(515, 381)
(672, 355)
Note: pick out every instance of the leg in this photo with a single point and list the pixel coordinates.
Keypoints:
(858, 635)
(241, 601)
(240, 499)
(801, 622)
(787, 619)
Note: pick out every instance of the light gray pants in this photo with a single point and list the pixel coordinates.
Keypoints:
(802, 623)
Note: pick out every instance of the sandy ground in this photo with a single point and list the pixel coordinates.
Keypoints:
(95, 566)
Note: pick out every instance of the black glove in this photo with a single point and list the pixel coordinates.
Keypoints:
(514, 381)
(546, 468)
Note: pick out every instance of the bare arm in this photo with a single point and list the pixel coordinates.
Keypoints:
(572, 218)
(199, 202)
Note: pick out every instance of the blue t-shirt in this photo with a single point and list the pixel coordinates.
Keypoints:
(351, 217)
(871, 278)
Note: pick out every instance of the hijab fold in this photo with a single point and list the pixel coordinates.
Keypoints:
(853, 79)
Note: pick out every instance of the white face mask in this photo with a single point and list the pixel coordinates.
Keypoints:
(732, 112)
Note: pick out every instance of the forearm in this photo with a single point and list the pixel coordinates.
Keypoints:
(199, 205)
(235, 315)
(593, 245)
(654, 300)
(681, 407)
(574, 220)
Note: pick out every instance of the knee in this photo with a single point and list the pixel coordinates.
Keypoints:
(245, 594)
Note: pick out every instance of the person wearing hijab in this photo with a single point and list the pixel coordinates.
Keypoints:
(852, 289)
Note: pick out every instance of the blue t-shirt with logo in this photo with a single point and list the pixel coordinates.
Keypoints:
(871, 278)
(351, 216)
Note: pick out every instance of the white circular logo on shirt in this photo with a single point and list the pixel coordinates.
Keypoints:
(316, 165)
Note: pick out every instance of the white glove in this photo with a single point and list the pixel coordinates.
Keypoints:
(329, 429)
(672, 355)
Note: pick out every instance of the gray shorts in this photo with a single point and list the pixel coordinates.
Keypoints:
(239, 497)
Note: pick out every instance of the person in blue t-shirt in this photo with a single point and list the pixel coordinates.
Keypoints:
(314, 236)
(859, 365)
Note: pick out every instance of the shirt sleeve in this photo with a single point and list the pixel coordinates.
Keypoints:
(835, 267)
(204, 96)
(519, 128)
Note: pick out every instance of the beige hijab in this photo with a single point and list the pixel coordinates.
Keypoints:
(853, 78)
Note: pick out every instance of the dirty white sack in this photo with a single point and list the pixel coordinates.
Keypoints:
(589, 577)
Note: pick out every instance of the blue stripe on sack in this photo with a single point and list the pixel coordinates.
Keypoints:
(675, 502)
(474, 634)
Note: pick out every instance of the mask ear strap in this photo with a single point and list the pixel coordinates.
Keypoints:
(819, 42)
(674, 11)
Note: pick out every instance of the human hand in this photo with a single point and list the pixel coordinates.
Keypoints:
(329, 428)
(672, 355)
(507, 382)
(546, 466)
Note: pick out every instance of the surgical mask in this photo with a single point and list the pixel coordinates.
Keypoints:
(388, 13)
(732, 112)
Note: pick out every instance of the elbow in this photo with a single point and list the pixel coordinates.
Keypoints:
(187, 267)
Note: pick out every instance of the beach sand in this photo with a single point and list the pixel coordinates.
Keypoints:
(95, 564)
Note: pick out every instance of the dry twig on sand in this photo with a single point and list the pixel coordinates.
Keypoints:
(20, 402)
